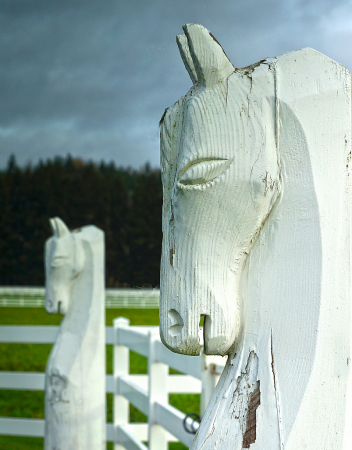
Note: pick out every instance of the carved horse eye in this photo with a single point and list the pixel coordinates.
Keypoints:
(201, 172)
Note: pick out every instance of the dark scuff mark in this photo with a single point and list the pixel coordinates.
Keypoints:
(249, 69)
(163, 116)
(250, 434)
(214, 38)
(172, 252)
(272, 360)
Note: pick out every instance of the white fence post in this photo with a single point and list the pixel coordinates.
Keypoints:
(121, 366)
(158, 373)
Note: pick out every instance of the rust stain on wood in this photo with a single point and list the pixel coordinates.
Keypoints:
(250, 435)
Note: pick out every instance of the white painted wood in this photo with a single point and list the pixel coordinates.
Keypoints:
(34, 381)
(30, 334)
(75, 400)
(21, 427)
(179, 362)
(134, 393)
(128, 439)
(256, 237)
(171, 419)
(30, 381)
(38, 334)
(121, 367)
(158, 374)
(135, 338)
(134, 388)
(213, 367)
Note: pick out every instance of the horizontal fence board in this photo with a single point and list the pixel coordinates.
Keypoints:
(183, 384)
(21, 427)
(135, 339)
(141, 380)
(13, 426)
(30, 334)
(109, 335)
(118, 298)
(110, 432)
(183, 363)
(140, 430)
(24, 381)
(38, 334)
(171, 419)
(35, 381)
(133, 392)
(127, 439)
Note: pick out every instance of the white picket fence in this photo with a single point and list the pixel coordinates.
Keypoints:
(34, 297)
(148, 393)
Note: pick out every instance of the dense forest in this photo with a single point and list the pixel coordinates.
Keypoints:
(126, 204)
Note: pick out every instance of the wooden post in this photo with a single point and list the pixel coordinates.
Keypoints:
(158, 373)
(121, 367)
(75, 394)
(256, 171)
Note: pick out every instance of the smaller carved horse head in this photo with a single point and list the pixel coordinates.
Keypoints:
(64, 261)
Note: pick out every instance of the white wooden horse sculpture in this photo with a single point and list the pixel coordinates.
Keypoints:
(75, 405)
(256, 237)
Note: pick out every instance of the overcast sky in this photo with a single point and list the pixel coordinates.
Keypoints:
(93, 77)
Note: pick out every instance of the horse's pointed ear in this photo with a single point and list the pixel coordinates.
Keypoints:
(210, 61)
(182, 43)
(58, 227)
(53, 226)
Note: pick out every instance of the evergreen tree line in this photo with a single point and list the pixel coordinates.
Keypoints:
(126, 204)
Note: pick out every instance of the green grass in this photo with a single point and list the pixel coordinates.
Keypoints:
(33, 358)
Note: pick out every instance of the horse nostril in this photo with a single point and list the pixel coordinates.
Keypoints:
(176, 322)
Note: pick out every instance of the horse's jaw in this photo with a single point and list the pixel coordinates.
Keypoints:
(185, 299)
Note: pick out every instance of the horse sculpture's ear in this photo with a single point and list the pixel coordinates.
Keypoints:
(58, 227)
(210, 64)
(182, 43)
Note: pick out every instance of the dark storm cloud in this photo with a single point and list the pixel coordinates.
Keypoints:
(93, 78)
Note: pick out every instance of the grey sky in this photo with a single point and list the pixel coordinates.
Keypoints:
(92, 78)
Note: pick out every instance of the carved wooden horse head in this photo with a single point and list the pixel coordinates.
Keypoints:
(221, 177)
(256, 169)
(64, 261)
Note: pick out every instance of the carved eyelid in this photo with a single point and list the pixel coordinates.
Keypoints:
(59, 261)
(202, 172)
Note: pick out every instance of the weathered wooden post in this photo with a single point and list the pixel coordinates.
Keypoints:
(256, 237)
(75, 398)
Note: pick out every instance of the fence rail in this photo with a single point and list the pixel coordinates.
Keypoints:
(34, 297)
(148, 393)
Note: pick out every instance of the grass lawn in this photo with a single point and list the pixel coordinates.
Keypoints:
(33, 357)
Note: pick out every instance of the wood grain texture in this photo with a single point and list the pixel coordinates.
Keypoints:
(256, 237)
(75, 405)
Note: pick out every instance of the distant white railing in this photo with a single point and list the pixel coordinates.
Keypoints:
(148, 393)
(34, 297)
